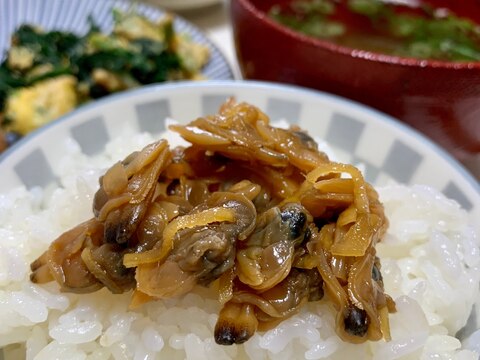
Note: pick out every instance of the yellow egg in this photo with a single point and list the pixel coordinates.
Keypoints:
(31, 107)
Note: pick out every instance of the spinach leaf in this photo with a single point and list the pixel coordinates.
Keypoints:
(8, 81)
(54, 47)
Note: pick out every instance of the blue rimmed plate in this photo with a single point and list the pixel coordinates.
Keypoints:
(72, 16)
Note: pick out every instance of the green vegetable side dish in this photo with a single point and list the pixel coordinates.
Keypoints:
(423, 32)
(47, 74)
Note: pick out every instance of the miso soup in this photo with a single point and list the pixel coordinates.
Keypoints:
(373, 25)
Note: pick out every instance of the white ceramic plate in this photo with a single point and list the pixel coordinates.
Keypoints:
(72, 15)
(388, 149)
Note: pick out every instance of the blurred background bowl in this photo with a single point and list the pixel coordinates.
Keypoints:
(441, 99)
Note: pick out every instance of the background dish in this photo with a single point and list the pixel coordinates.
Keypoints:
(73, 16)
(388, 149)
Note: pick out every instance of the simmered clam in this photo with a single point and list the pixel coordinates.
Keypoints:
(254, 212)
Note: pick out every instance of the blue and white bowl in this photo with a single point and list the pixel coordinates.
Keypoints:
(387, 149)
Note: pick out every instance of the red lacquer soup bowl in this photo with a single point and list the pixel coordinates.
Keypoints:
(440, 98)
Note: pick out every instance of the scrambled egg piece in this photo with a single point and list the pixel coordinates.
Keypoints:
(20, 57)
(133, 26)
(193, 56)
(113, 82)
(31, 107)
(102, 42)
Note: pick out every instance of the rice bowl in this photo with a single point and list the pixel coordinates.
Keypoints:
(430, 261)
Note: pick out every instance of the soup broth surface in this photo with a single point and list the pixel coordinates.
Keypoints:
(373, 25)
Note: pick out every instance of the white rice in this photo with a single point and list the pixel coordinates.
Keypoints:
(430, 264)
